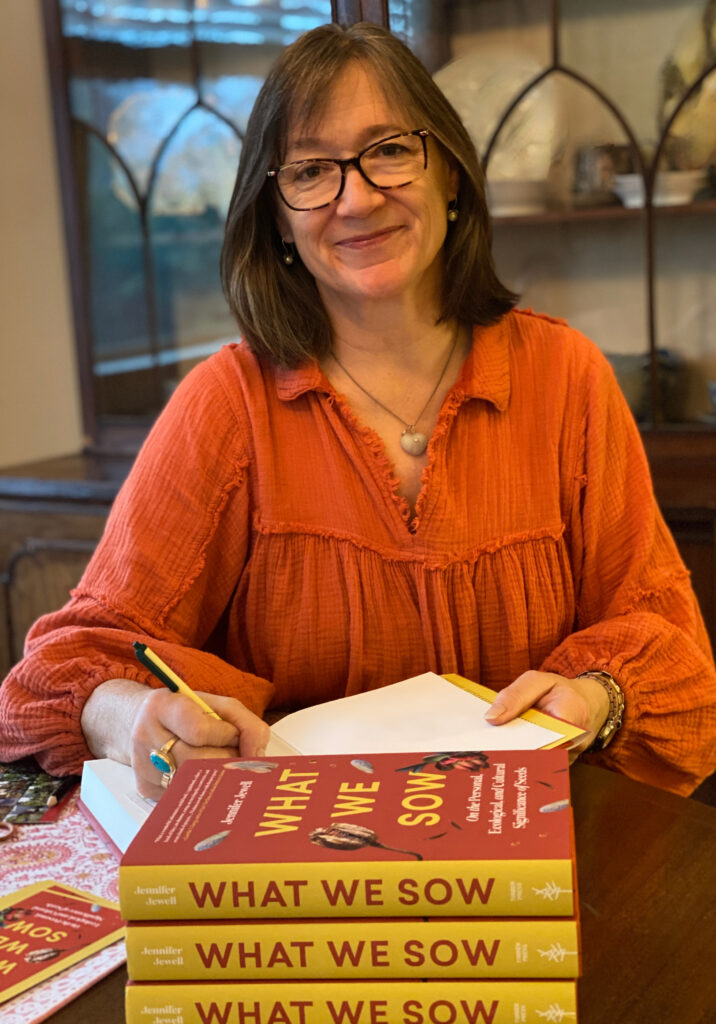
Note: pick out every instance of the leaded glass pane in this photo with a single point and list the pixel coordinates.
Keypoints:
(160, 92)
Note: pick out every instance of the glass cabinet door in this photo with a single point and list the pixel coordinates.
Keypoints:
(596, 123)
(159, 95)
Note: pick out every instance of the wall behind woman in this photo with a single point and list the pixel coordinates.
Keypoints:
(39, 399)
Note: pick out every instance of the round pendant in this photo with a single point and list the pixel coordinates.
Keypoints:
(413, 442)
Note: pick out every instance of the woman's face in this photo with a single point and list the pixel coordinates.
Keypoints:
(369, 244)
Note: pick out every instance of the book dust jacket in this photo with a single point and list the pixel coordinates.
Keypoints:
(47, 927)
(464, 833)
(378, 1001)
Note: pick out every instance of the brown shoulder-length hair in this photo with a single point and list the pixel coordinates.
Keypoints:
(278, 307)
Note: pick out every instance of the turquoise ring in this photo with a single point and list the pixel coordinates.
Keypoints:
(163, 761)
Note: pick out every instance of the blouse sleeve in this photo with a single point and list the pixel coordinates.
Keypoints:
(637, 616)
(163, 573)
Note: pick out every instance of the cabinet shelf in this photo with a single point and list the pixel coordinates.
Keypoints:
(606, 213)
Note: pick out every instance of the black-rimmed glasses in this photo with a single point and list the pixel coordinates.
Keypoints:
(389, 163)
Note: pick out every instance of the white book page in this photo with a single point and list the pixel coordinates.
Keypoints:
(109, 794)
(426, 713)
(104, 775)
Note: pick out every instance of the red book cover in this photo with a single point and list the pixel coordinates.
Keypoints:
(47, 927)
(455, 834)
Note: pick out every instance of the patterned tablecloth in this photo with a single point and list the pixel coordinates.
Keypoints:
(70, 851)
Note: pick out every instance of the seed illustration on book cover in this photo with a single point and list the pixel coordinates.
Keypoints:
(347, 836)
(210, 841)
(38, 955)
(260, 767)
(463, 760)
(558, 805)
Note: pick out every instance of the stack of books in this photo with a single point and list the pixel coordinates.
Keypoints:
(395, 888)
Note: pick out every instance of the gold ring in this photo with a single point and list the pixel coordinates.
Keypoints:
(163, 761)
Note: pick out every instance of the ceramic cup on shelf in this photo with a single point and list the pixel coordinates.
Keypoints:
(594, 170)
(671, 188)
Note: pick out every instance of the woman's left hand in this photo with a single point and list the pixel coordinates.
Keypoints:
(583, 702)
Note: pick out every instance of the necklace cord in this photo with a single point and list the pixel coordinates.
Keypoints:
(409, 427)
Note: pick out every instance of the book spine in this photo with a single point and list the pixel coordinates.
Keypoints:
(397, 948)
(363, 1002)
(365, 889)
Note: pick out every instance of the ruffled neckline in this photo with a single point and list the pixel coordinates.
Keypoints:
(483, 375)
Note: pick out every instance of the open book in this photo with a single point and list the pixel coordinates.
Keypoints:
(428, 713)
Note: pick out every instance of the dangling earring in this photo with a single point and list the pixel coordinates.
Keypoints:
(453, 212)
(289, 252)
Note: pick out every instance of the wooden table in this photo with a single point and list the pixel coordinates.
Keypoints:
(647, 877)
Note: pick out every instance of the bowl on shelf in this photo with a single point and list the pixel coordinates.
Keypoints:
(672, 188)
(515, 197)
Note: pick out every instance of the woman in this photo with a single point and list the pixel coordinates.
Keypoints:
(396, 472)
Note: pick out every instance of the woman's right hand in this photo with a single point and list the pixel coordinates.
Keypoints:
(126, 720)
(163, 716)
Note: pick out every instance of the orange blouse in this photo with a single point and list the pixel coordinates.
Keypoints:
(261, 546)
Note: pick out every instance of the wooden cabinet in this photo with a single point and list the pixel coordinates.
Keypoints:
(51, 516)
(596, 124)
(683, 466)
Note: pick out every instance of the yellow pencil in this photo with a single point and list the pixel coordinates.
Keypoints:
(167, 676)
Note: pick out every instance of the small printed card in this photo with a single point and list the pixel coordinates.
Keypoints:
(47, 927)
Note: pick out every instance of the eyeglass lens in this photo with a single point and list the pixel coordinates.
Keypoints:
(306, 184)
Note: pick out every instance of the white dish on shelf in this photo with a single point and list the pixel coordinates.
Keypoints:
(672, 188)
(483, 82)
(516, 197)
